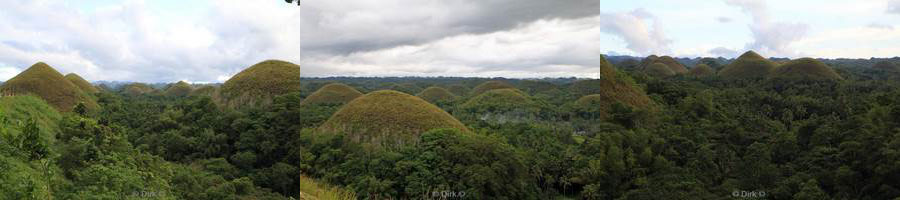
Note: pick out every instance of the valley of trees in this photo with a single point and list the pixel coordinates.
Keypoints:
(649, 128)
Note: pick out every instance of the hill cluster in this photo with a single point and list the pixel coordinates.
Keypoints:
(45, 82)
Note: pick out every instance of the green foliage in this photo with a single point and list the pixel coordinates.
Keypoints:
(45, 82)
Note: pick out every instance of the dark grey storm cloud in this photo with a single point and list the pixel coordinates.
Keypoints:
(345, 29)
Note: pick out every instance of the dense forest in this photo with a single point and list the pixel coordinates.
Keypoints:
(648, 128)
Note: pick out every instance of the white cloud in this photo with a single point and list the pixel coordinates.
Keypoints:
(832, 43)
(636, 29)
(724, 52)
(8, 72)
(770, 38)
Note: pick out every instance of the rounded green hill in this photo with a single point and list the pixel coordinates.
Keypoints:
(501, 101)
(82, 84)
(389, 113)
(45, 82)
(673, 64)
(490, 85)
(435, 94)
(136, 89)
(805, 69)
(261, 82)
(702, 70)
(668, 61)
(332, 94)
(658, 70)
(748, 65)
(180, 89)
(458, 90)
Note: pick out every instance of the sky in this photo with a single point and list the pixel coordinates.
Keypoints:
(727, 28)
(204, 41)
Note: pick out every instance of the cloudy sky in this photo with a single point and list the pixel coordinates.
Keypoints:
(210, 40)
(792, 28)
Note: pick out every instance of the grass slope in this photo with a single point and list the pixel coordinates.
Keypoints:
(805, 69)
(502, 100)
(313, 190)
(23, 108)
(82, 84)
(436, 94)
(261, 82)
(748, 65)
(48, 84)
(387, 113)
(332, 94)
